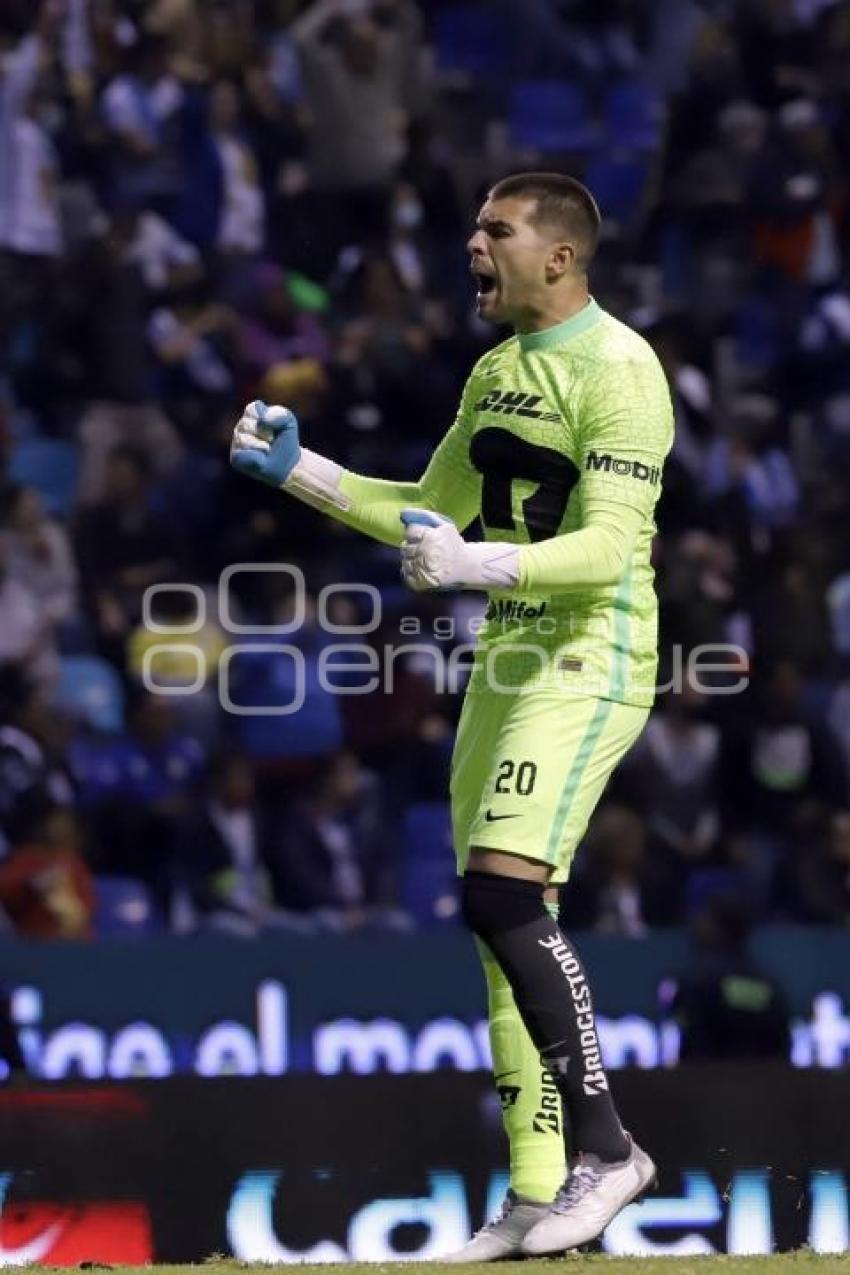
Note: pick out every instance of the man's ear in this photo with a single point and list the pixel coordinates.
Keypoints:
(561, 261)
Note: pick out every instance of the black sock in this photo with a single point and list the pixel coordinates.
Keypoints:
(553, 997)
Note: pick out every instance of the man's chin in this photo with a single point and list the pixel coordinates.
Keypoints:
(488, 308)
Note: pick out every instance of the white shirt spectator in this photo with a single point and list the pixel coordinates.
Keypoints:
(77, 48)
(838, 601)
(157, 249)
(201, 363)
(242, 227)
(131, 106)
(25, 632)
(47, 570)
(22, 620)
(33, 222)
(18, 72)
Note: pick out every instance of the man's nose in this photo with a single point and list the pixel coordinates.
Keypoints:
(475, 242)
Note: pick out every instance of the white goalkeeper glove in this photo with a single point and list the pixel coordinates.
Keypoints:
(436, 556)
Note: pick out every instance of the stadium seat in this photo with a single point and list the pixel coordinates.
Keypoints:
(470, 42)
(50, 465)
(123, 905)
(430, 893)
(705, 884)
(618, 184)
(429, 880)
(757, 333)
(428, 830)
(550, 115)
(265, 683)
(633, 116)
(90, 690)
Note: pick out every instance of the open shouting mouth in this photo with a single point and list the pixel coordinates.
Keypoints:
(485, 278)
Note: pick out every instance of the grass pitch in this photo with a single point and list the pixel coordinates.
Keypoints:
(801, 1262)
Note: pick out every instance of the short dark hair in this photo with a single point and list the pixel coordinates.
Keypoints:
(562, 202)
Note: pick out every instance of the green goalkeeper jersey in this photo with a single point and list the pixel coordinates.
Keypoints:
(558, 445)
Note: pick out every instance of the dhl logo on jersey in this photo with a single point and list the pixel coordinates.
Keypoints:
(515, 403)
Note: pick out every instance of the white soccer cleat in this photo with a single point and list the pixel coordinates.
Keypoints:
(502, 1237)
(592, 1195)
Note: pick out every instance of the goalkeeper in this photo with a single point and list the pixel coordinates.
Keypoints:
(558, 446)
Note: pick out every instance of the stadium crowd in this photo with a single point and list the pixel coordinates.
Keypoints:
(204, 203)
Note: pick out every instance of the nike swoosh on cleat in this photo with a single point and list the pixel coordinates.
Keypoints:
(491, 818)
(502, 1074)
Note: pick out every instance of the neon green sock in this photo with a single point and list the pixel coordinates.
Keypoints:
(531, 1104)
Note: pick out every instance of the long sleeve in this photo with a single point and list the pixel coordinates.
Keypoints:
(596, 555)
(626, 432)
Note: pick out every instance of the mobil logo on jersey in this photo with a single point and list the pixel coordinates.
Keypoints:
(605, 462)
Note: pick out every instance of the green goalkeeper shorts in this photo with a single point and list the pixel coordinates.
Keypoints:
(529, 768)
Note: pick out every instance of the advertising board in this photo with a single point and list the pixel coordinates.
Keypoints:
(365, 1003)
(385, 1167)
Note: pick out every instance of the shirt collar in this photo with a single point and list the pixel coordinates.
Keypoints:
(561, 332)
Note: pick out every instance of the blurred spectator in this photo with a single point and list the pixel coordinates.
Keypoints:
(274, 328)
(362, 81)
(697, 595)
(674, 771)
(691, 392)
(241, 221)
(715, 182)
(34, 773)
(179, 23)
(191, 336)
(137, 789)
(818, 876)
(834, 51)
(26, 628)
(362, 85)
(725, 1004)
(781, 763)
(616, 889)
(230, 34)
(124, 545)
(301, 381)
(163, 258)
(751, 472)
(378, 352)
(123, 409)
(838, 718)
(798, 194)
(333, 853)
(224, 853)
(39, 554)
(140, 111)
(790, 618)
(31, 227)
(184, 658)
(221, 851)
(46, 889)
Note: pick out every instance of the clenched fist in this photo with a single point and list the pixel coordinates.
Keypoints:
(265, 443)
